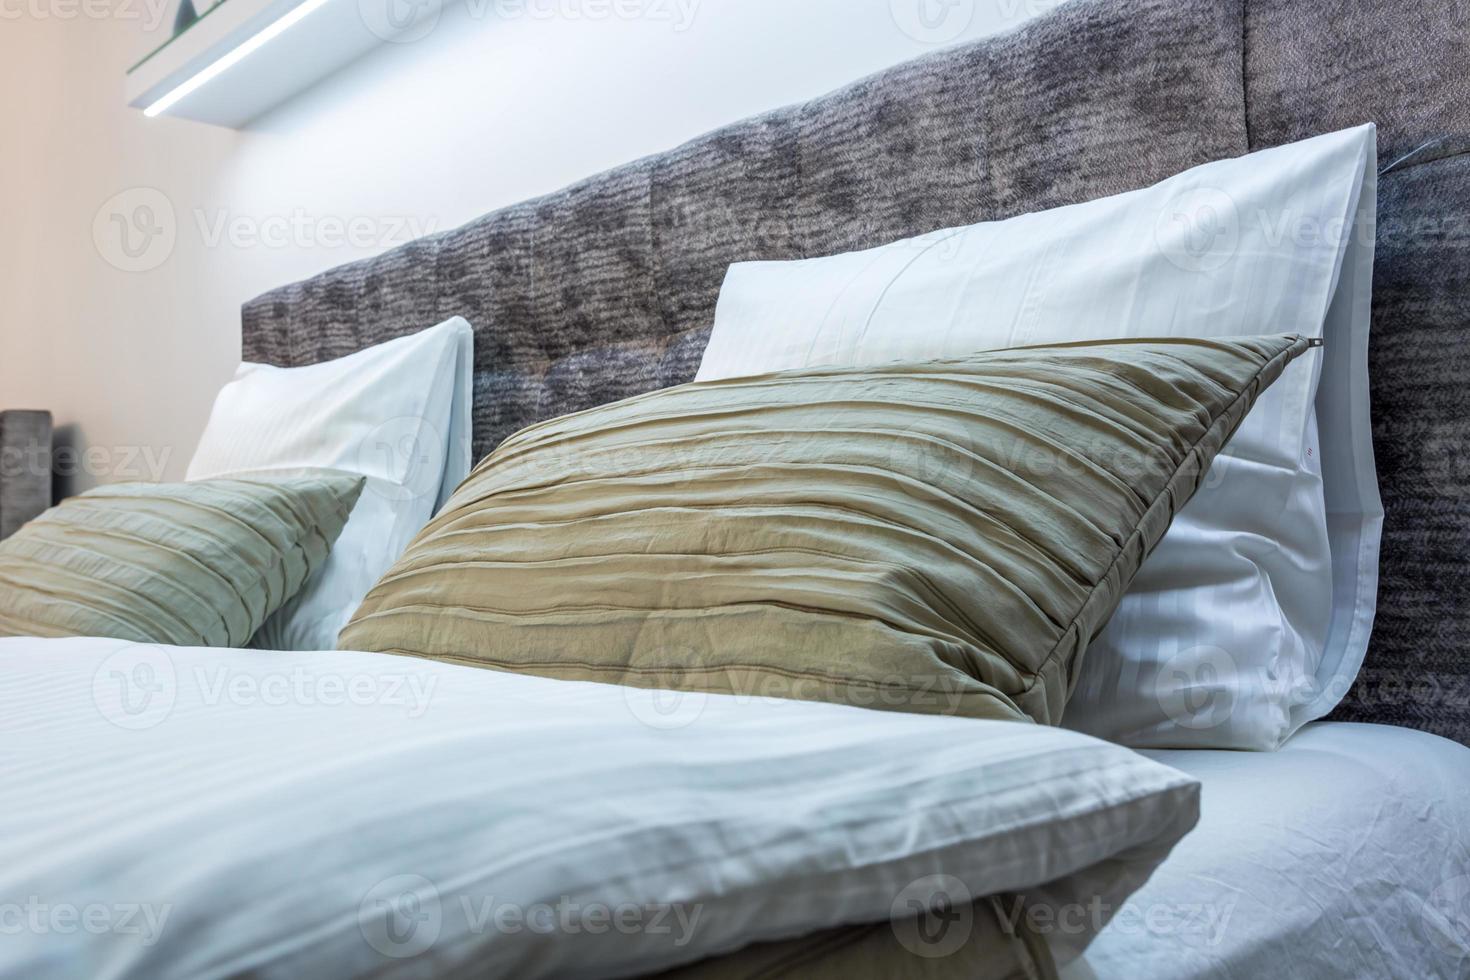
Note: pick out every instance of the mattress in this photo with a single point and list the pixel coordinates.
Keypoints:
(1345, 854)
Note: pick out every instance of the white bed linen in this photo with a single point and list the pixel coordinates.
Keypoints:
(1345, 855)
(195, 813)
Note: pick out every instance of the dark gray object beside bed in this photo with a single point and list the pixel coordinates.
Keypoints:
(25, 468)
(607, 289)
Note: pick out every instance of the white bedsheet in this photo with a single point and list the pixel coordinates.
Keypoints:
(198, 813)
(1344, 855)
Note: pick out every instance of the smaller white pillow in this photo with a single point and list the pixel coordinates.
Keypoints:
(397, 413)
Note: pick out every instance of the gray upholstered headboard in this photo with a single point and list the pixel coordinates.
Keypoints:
(608, 288)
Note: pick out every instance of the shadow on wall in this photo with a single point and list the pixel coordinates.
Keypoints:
(66, 442)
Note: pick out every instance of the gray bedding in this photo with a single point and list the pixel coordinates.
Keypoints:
(607, 289)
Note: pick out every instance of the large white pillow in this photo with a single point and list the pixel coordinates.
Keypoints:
(439, 820)
(1253, 615)
(398, 413)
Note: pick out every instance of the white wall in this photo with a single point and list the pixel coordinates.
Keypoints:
(503, 100)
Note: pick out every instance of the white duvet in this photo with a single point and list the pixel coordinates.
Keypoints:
(196, 813)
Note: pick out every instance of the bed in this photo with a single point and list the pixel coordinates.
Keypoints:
(1342, 854)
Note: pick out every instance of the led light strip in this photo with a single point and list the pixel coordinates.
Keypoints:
(234, 57)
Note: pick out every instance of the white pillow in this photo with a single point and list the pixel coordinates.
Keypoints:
(1252, 616)
(384, 834)
(398, 413)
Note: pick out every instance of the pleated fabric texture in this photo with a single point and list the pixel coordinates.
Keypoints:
(189, 564)
(940, 537)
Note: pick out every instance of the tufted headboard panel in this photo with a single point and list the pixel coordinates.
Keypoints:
(607, 289)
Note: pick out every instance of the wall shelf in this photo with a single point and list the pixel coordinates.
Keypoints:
(243, 58)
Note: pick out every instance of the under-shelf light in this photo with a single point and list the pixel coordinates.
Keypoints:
(234, 57)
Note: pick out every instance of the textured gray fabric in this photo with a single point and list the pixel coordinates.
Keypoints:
(1312, 67)
(607, 289)
(25, 468)
(1418, 668)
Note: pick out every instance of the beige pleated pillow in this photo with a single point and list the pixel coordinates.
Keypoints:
(189, 564)
(940, 537)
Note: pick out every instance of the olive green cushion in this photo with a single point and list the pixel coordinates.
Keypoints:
(941, 537)
(190, 564)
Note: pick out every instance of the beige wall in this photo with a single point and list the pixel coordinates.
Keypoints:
(500, 102)
(125, 361)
